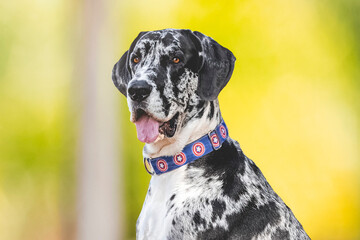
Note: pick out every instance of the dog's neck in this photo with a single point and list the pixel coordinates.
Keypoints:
(195, 127)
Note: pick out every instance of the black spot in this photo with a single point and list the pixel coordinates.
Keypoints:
(172, 197)
(233, 187)
(225, 163)
(169, 209)
(152, 36)
(173, 222)
(176, 91)
(280, 234)
(218, 207)
(252, 220)
(147, 47)
(200, 113)
(217, 233)
(212, 110)
(168, 39)
(259, 187)
(175, 75)
(198, 220)
(200, 105)
(164, 61)
(166, 104)
(189, 108)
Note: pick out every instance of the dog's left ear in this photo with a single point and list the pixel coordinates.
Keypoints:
(217, 68)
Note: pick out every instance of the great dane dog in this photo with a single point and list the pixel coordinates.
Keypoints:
(203, 186)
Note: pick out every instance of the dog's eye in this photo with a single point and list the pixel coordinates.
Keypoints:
(136, 60)
(176, 60)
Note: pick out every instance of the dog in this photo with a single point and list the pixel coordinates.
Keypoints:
(203, 186)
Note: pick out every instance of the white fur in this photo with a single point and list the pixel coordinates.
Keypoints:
(153, 222)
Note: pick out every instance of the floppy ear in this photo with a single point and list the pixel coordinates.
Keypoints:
(121, 73)
(218, 65)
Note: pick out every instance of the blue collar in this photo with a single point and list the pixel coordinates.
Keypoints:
(197, 149)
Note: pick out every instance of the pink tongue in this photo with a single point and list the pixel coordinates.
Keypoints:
(147, 129)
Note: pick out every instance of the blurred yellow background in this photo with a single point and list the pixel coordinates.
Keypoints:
(292, 103)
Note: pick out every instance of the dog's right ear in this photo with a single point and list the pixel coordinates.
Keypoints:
(121, 73)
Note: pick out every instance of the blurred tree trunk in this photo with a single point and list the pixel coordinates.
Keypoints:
(98, 202)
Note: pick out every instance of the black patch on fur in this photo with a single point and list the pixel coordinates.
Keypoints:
(166, 104)
(252, 220)
(198, 220)
(225, 164)
(168, 39)
(218, 207)
(172, 197)
(189, 108)
(176, 91)
(147, 46)
(153, 36)
(169, 209)
(246, 224)
(233, 187)
(212, 110)
(281, 234)
(201, 113)
(175, 75)
(217, 233)
(200, 106)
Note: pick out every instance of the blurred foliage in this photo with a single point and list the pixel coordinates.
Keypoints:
(292, 103)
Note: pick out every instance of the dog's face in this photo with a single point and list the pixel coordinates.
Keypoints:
(165, 74)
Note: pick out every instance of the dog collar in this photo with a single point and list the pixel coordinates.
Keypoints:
(197, 149)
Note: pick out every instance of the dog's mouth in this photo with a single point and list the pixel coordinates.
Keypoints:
(148, 128)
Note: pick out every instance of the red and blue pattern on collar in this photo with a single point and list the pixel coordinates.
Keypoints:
(197, 149)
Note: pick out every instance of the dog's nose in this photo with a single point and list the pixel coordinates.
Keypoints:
(139, 90)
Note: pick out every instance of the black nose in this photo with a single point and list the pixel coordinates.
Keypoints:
(138, 90)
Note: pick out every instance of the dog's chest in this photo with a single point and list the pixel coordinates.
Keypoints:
(155, 218)
(172, 201)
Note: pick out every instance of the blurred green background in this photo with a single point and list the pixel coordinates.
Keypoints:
(292, 103)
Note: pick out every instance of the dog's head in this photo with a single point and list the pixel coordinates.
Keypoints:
(165, 73)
